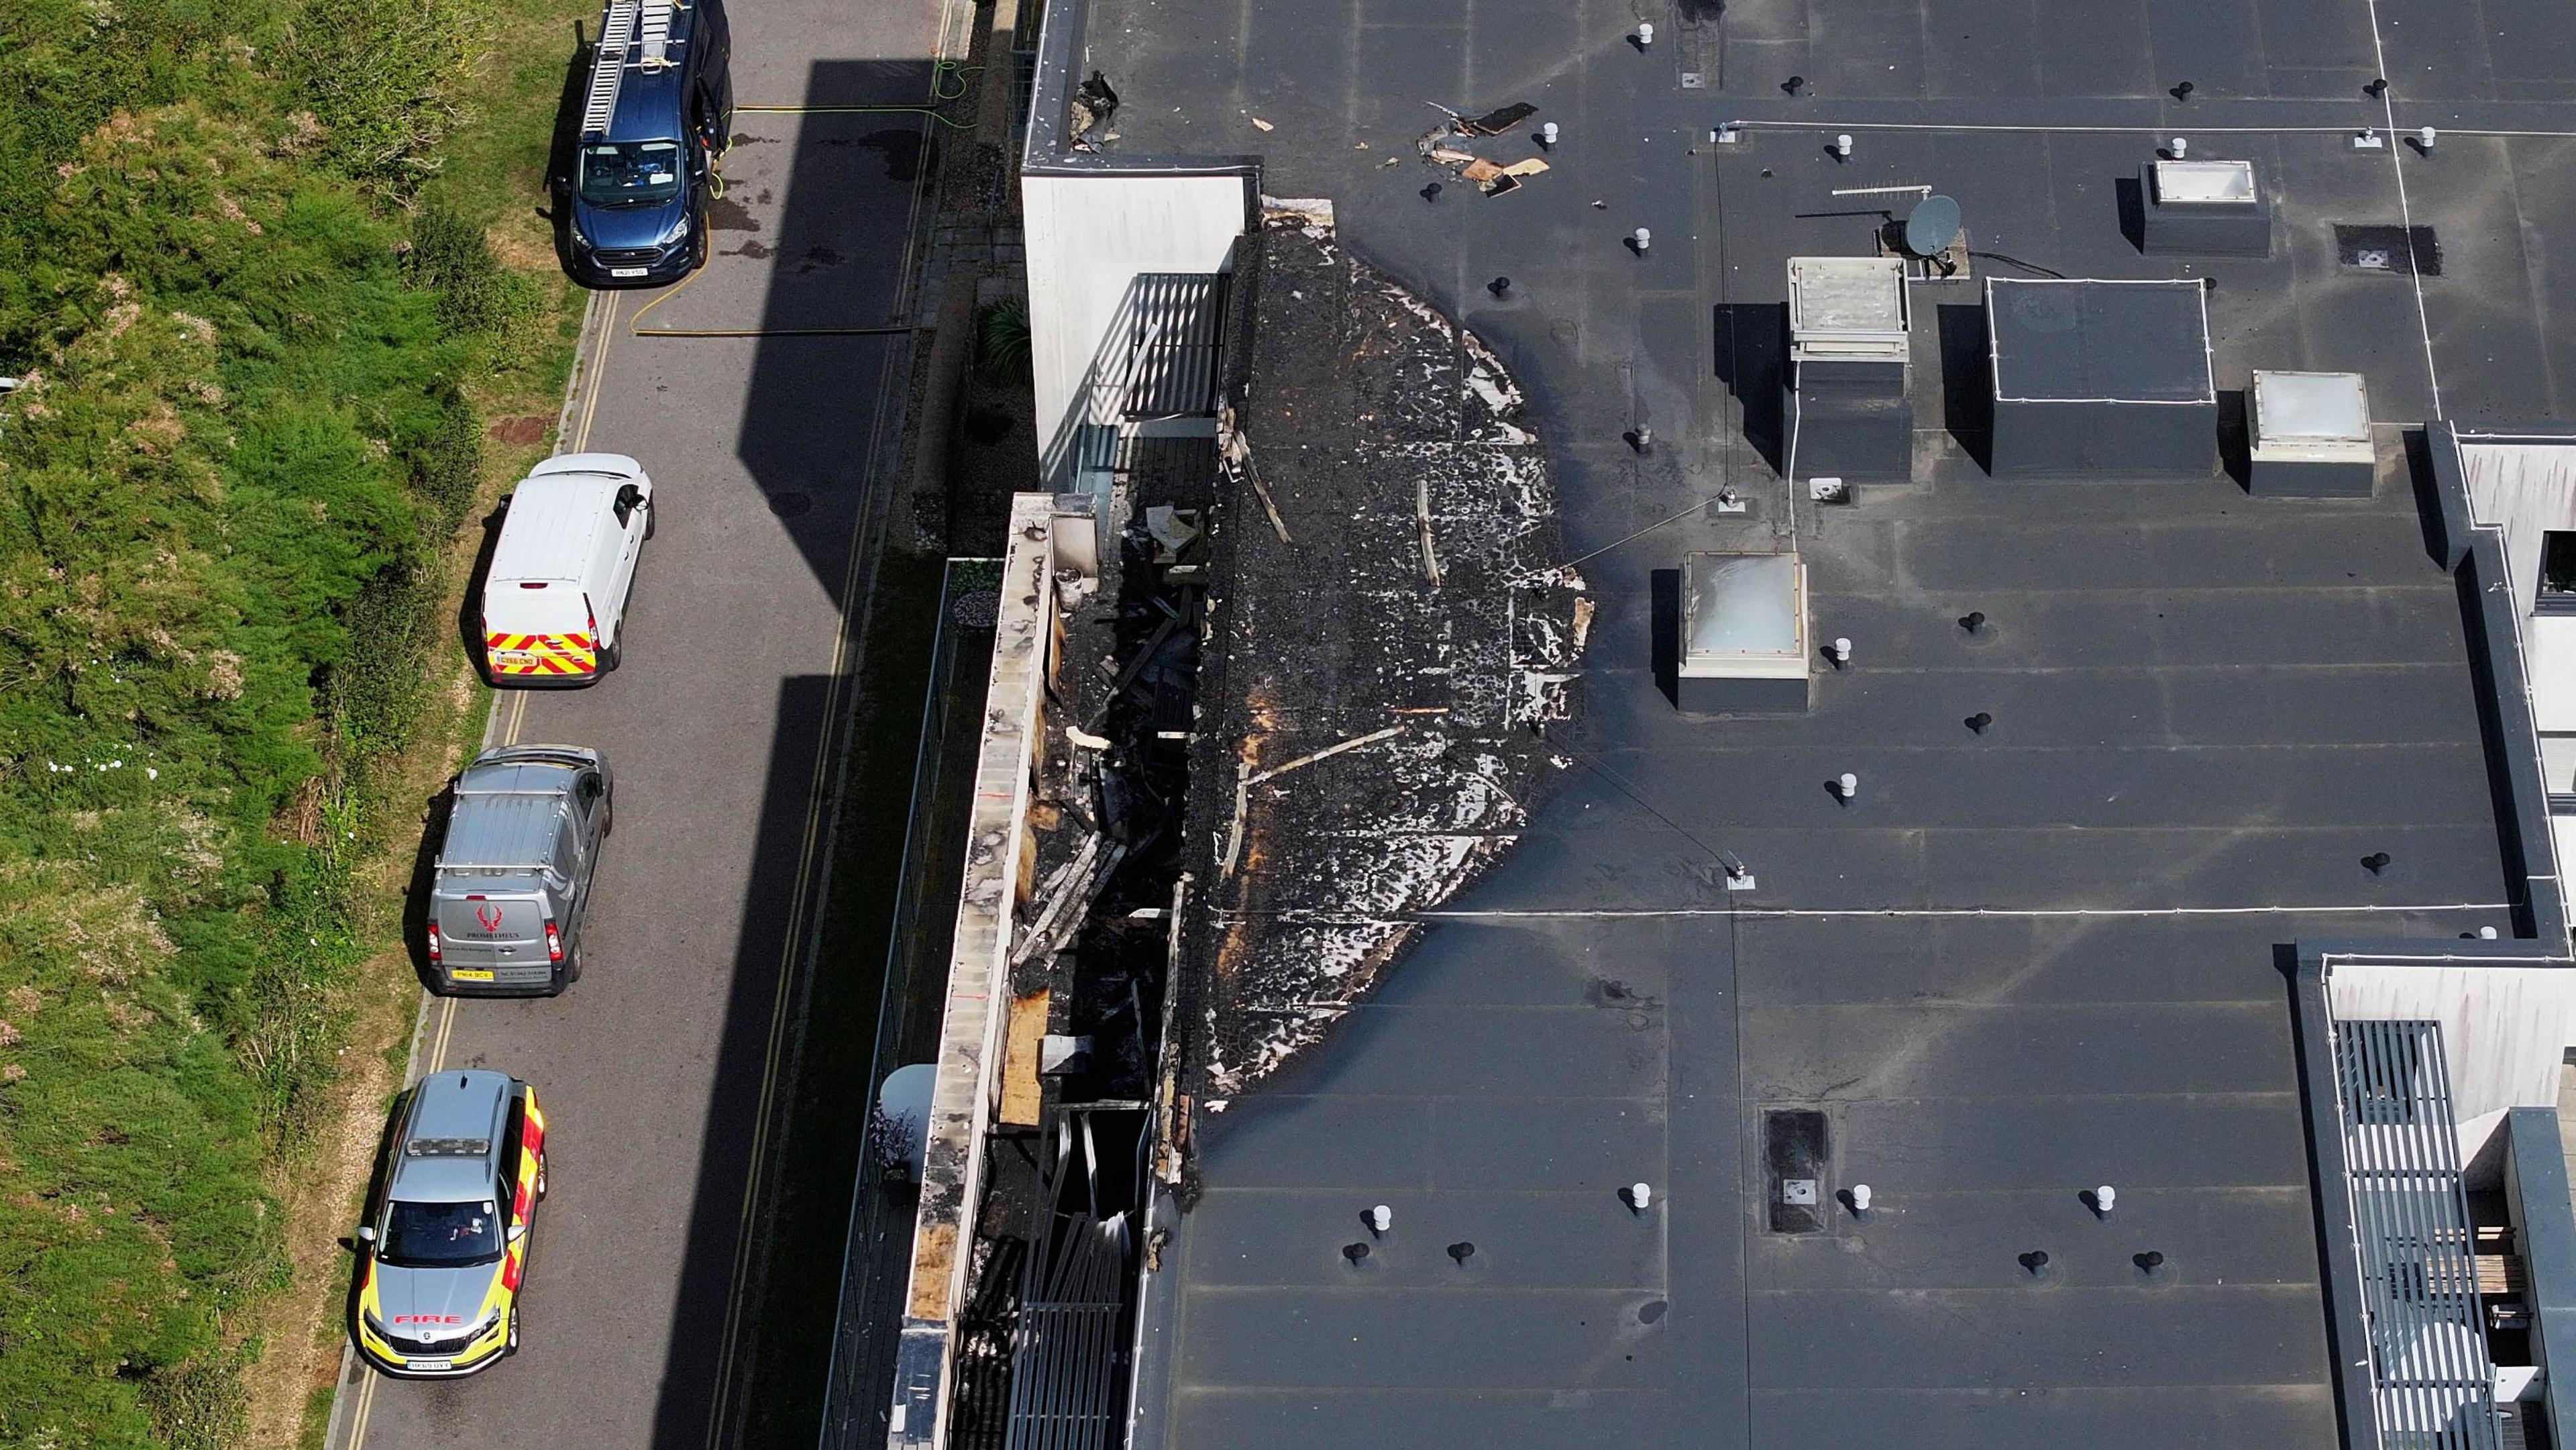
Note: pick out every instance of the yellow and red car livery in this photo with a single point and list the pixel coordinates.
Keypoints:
(542, 655)
(441, 1263)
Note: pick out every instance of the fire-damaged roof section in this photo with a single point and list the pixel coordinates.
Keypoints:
(1391, 634)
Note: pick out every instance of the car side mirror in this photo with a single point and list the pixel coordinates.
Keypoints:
(518, 1231)
(366, 1234)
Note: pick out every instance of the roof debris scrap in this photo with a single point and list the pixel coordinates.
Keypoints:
(1094, 102)
(1375, 694)
(1491, 177)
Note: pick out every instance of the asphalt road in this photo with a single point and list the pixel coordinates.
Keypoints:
(769, 432)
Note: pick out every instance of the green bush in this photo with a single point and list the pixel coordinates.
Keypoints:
(225, 494)
(1002, 340)
(385, 79)
(511, 312)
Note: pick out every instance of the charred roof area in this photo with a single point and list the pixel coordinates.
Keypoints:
(1390, 641)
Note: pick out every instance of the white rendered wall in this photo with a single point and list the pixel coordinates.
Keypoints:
(1088, 237)
(2551, 642)
(2525, 489)
(2504, 1027)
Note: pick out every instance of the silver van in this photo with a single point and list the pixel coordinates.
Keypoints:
(512, 880)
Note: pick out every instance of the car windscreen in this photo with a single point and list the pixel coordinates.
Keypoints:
(630, 173)
(434, 1235)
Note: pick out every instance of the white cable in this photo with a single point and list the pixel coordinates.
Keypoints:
(2405, 213)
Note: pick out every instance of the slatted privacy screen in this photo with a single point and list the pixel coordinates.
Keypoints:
(2434, 1382)
(1175, 343)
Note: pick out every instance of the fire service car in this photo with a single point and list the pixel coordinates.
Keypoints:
(441, 1259)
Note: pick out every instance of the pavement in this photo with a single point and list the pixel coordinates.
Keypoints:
(765, 397)
(2020, 963)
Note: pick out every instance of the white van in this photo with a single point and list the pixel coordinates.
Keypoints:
(554, 604)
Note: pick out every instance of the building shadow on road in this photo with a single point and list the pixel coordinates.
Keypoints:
(821, 423)
(701, 1377)
(820, 433)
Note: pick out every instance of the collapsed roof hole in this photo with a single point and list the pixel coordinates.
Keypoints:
(2397, 251)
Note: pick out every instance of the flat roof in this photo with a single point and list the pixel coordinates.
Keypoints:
(2020, 964)
(2022, 961)
(2086, 341)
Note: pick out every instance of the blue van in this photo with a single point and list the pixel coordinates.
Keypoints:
(656, 117)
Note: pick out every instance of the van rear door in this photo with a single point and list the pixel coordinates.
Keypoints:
(493, 937)
(540, 628)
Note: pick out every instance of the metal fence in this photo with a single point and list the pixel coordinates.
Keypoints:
(878, 1253)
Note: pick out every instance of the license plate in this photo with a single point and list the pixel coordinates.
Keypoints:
(426, 1365)
(625, 271)
(470, 974)
(514, 656)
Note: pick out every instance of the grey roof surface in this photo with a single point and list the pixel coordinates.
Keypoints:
(2207, 709)
(2130, 341)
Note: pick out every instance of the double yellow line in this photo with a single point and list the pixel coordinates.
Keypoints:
(438, 1029)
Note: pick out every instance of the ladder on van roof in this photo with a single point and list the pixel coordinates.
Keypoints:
(626, 22)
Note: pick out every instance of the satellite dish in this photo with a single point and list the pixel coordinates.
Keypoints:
(1932, 226)
(903, 1120)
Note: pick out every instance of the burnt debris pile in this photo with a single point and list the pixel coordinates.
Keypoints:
(1050, 1289)
(1390, 636)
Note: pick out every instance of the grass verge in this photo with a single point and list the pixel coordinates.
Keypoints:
(286, 318)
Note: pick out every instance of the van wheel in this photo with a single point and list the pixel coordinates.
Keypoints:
(572, 966)
(611, 655)
(652, 517)
(514, 1330)
(541, 1178)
